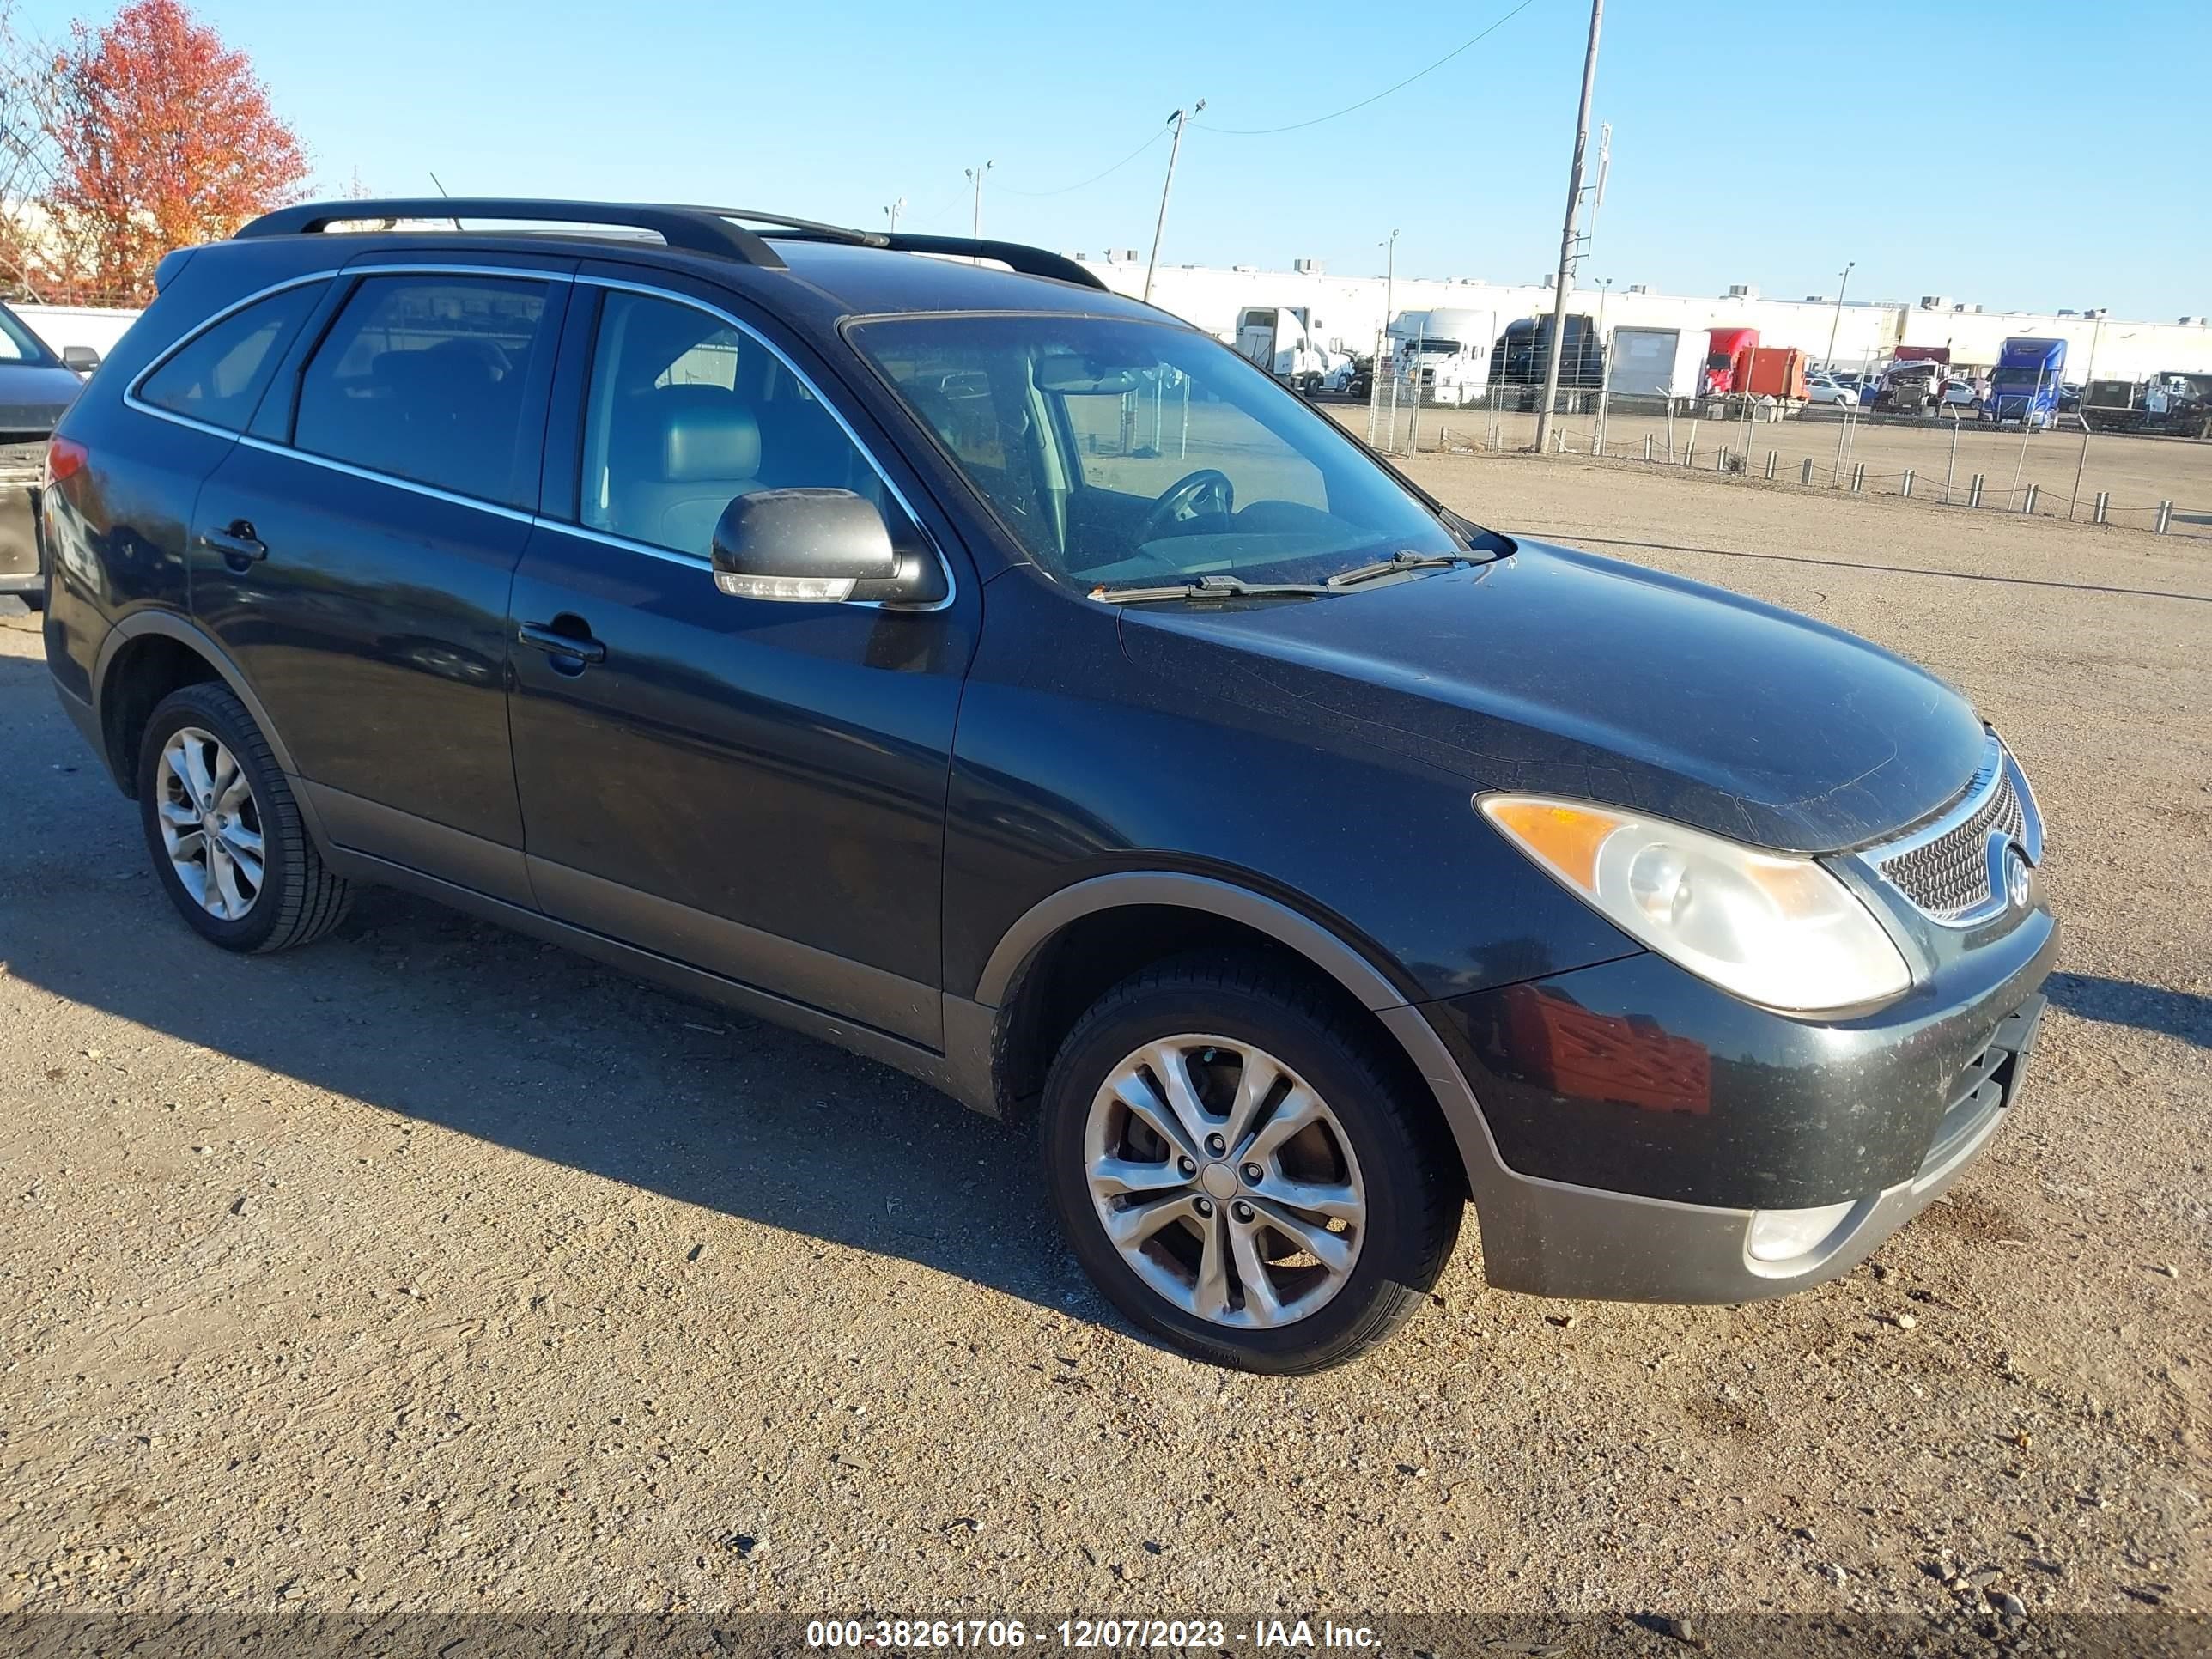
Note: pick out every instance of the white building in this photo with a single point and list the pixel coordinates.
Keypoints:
(1349, 313)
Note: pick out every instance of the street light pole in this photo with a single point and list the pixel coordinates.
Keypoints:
(894, 210)
(1160, 225)
(1389, 283)
(1828, 364)
(1565, 279)
(975, 224)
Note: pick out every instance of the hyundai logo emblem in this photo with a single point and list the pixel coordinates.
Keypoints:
(2016, 878)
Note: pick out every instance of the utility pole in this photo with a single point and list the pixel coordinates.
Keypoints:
(1389, 294)
(894, 210)
(1828, 364)
(976, 225)
(1565, 278)
(1160, 225)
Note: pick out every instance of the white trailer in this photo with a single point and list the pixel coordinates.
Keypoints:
(1447, 353)
(1286, 341)
(1656, 362)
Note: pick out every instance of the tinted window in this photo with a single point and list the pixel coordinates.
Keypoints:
(687, 412)
(221, 373)
(18, 344)
(427, 378)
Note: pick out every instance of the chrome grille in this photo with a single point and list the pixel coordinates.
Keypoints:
(1945, 870)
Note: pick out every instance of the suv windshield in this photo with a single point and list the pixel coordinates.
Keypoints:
(1134, 453)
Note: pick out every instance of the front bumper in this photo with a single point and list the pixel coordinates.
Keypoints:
(19, 567)
(1621, 1125)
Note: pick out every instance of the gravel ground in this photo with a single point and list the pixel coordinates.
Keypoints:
(432, 1269)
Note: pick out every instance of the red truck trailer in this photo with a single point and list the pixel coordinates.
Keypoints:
(1778, 371)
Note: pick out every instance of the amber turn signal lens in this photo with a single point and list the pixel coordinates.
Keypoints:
(1565, 837)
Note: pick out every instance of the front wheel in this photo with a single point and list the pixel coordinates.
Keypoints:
(1237, 1172)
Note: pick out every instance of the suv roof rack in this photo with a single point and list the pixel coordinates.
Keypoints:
(722, 232)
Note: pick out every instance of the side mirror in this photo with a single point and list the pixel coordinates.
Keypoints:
(82, 359)
(819, 546)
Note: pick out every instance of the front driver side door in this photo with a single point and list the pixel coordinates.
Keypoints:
(752, 787)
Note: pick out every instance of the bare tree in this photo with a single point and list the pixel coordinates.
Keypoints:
(28, 161)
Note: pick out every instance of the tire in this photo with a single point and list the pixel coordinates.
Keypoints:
(1396, 1159)
(297, 900)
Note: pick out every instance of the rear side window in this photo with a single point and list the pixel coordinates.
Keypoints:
(221, 373)
(427, 378)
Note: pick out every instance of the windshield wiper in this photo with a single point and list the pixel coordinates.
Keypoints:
(1396, 563)
(1215, 587)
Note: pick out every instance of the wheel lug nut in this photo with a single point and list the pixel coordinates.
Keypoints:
(1242, 1211)
(1205, 1206)
(1253, 1174)
(1188, 1168)
(1216, 1144)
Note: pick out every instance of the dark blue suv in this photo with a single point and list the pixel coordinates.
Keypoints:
(1002, 679)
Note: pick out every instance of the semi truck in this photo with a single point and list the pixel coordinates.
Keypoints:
(1286, 341)
(2172, 401)
(1727, 359)
(2025, 387)
(1519, 356)
(1446, 353)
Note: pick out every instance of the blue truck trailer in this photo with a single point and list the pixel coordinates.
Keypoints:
(2025, 387)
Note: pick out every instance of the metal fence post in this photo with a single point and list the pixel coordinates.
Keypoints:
(1647, 445)
(1905, 487)
(2103, 504)
(1773, 460)
(1858, 477)
(1974, 491)
(2027, 502)
(1805, 472)
(2165, 518)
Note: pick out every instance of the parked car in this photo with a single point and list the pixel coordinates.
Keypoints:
(2069, 397)
(1962, 394)
(1825, 389)
(872, 642)
(35, 386)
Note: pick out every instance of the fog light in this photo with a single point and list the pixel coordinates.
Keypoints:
(1779, 1234)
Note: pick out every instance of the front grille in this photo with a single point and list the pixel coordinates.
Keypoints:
(1989, 1084)
(1947, 874)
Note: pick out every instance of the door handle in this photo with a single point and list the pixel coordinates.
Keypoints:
(554, 643)
(237, 543)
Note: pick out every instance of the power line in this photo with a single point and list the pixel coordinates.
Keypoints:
(1261, 132)
(1096, 177)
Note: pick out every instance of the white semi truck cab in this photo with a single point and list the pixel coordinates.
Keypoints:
(1446, 353)
(1286, 341)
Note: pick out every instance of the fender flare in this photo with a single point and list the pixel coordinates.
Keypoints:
(141, 624)
(1122, 888)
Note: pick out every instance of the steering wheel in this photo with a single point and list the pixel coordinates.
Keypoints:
(1206, 490)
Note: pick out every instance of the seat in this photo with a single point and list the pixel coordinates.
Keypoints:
(688, 450)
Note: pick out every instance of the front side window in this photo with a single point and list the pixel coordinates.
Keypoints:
(18, 344)
(219, 374)
(427, 378)
(687, 412)
(1126, 451)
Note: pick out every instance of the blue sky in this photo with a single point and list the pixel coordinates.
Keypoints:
(1753, 142)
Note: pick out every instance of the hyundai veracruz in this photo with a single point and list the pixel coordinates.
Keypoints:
(1004, 680)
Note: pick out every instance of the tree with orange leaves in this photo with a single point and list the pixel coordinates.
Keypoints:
(164, 138)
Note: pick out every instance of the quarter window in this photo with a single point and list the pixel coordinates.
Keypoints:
(687, 412)
(428, 378)
(221, 373)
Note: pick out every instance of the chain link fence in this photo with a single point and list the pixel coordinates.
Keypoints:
(2162, 485)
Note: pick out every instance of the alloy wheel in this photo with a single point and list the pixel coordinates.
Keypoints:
(211, 824)
(1225, 1180)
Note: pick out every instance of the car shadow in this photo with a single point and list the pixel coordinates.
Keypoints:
(2184, 1014)
(417, 1010)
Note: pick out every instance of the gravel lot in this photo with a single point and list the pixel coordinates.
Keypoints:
(432, 1269)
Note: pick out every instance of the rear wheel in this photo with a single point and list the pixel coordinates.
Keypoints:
(1238, 1174)
(224, 830)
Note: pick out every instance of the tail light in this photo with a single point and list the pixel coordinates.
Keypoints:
(65, 458)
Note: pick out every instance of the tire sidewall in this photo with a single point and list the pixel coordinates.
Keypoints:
(215, 709)
(1389, 1151)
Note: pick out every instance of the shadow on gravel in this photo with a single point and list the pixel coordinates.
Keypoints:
(2181, 1014)
(419, 1011)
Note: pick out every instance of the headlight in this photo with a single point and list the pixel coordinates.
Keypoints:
(1772, 929)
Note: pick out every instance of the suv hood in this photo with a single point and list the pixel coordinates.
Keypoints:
(1557, 671)
(34, 395)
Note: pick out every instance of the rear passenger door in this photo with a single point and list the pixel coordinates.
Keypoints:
(753, 788)
(353, 553)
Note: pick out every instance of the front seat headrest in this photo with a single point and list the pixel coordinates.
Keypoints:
(705, 434)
